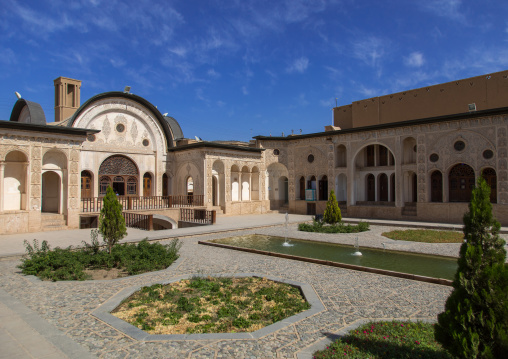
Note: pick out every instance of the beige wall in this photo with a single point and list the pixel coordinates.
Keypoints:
(487, 91)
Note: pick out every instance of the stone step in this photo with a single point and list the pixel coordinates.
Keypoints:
(52, 216)
(53, 222)
(47, 228)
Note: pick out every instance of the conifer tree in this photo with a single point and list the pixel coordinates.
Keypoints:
(111, 221)
(332, 213)
(475, 321)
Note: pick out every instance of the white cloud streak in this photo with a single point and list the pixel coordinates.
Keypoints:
(415, 59)
(445, 8)
(299, 65)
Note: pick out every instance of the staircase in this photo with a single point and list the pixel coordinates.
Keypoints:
(53, 222)
(218, 211)
(283, 208)
(409, 209)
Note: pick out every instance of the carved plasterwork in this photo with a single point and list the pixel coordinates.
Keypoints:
(139, 124)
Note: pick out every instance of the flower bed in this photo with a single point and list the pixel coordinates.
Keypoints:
(211, 305)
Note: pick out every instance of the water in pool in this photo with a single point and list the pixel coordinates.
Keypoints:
(426, 265)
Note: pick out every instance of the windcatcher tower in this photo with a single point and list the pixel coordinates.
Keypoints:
(67, 101)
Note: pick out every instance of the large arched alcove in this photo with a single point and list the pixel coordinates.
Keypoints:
(121, 173)
(277, 189)
(51, 192)
(54, 179)
(373, 167)
(14, 181)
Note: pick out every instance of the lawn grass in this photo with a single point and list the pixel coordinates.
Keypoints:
(70, 264)
(211, 305)
(321, 227)
(425, 235)
(388, 340)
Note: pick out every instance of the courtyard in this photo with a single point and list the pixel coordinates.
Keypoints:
(57, 315)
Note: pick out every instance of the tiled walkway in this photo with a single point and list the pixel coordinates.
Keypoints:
(56, 318)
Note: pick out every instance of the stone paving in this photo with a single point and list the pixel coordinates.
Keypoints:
(348, 296)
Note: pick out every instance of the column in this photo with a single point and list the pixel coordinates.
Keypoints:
(250, 186)
(25, 204)
(2, 169)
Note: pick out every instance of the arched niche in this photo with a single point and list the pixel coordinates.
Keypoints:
(277, 178)
(341, 156)
(51, 192)
(15, 182)
(409, 151)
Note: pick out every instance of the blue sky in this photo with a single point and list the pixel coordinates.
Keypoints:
(235, 69)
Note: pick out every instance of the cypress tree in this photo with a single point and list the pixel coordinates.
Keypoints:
(332, 213)
(111, 221)
(475, 321)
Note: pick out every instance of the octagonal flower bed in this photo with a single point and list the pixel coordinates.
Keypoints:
(211, 305)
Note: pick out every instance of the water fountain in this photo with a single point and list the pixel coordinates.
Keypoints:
(426, 265)
(357, 248)
(286, 243)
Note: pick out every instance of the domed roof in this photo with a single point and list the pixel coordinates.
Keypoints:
(175, 127)
(170, 126)
(35, 115)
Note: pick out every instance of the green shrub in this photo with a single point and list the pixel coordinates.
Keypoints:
(111, 220)
(318, 227)
(69, 263)
(332, 213)
(475, 321)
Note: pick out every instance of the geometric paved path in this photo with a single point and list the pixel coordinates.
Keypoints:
(61, 310)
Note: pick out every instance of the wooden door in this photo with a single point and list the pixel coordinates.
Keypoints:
(86, 184)
(147, 185)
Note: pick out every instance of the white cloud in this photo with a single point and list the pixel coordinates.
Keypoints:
(299, 65)
(333, 71)
(245, 90)
(179, 50)
(370, 50)
(415, 59)
(445, 8)
(213, 73)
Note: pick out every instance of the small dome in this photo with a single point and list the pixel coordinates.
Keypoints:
(174, 126)
(28, 112)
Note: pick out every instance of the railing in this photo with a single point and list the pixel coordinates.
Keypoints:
(94, 204)
(197, 216)
(140, 221)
